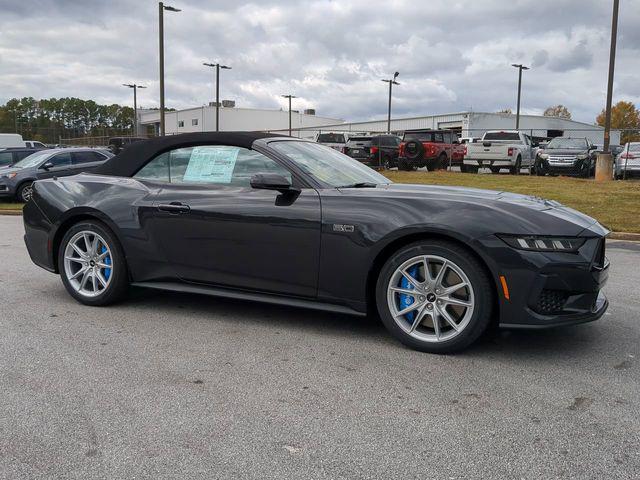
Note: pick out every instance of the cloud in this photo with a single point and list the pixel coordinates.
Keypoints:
(451, 55)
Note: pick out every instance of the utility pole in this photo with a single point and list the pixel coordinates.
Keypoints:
(217, 66)
(604, 162)
(289, 97)
(161, 8)
(520, 67)
(135, 104)
(391, 83)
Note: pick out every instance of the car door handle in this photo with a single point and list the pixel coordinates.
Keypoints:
(174, 207)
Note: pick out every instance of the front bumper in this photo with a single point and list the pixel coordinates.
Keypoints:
(6, 190)
(550, 289)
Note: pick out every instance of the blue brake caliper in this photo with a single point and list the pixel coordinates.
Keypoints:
(406, 300)
(107, 261)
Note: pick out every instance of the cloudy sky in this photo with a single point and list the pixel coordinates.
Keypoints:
(452, 55)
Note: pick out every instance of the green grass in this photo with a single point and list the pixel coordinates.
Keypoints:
(614, 204)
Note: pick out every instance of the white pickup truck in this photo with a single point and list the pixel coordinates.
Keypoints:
(500, 149)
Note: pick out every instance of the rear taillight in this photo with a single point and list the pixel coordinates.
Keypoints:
(465, 150)
(401, 150)
(510, 152)
(374, 150)
(343, 149)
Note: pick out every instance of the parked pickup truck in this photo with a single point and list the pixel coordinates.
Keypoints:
(500, 149)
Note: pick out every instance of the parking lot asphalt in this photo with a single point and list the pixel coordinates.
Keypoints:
(182, 386)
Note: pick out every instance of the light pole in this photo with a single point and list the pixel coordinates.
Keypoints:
(289, 97)
(604, 162)
(520, 67)
(217, 66)
(391, 83)
(161, 8)
(135, 104)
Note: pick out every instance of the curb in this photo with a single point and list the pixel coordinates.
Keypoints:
(11, 212)
(634, 237)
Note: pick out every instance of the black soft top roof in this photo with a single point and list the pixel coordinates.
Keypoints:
(137, 154)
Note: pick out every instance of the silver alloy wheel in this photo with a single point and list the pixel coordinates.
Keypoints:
(88, 263)
(430, 298)
(26, 192)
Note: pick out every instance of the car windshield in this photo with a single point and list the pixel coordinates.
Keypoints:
(559, 142)
(360, 140)
(33, 160)
(331, 138)
(328, 166)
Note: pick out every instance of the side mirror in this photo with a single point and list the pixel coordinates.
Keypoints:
(272, 181)
(47, 166)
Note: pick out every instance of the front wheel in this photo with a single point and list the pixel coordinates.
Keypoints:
(434, 296)
(92, 264)
(515, 170)
(25, 191)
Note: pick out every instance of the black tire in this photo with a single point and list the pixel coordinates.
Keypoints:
(118, 285)
(24, 192)
(443, 162)
(518, 166)
(463, 168)
(494, 169)
(480, 281)
(539, 169)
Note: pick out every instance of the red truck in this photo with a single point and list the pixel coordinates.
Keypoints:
(434, 149)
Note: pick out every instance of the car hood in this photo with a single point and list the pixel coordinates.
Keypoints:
(510, 212)
(565, 151)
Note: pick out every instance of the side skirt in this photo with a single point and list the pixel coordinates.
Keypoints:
(249, 296)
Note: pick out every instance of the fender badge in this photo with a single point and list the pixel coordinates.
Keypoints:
(343, 228)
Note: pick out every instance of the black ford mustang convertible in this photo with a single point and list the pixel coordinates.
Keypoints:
(263, 217)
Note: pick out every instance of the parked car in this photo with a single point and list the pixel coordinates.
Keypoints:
(567, 156)
(500, 149)
(17, 181)
(9, 156)
(262, 217)
(337, 140)
(375, 151)
(34, 144)
(627, 163)
(11, 140)
(117, 144)
(433, 149)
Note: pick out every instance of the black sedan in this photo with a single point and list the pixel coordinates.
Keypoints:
(262, 217)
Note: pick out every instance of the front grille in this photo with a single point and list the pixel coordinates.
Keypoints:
(551, 301)
(3, 188)
(562, 159)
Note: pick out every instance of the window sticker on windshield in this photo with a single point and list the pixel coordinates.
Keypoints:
(211, 164)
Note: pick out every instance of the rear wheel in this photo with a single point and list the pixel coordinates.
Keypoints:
(515, 170)
(92, 264)
(25, 191)
(406, 165)
(443, 162)
(434, 296)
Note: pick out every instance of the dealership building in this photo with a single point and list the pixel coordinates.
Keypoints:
(475, 124)
(203, 119)
(307, 124)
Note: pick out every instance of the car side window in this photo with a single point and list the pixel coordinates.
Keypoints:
(61, 159)
(210, 164)
(438, 137)
(6, 158)
(86, 157)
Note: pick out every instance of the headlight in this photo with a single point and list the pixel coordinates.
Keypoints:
(9, 175)
(543, 244)
(543, 156)
(582, 157)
